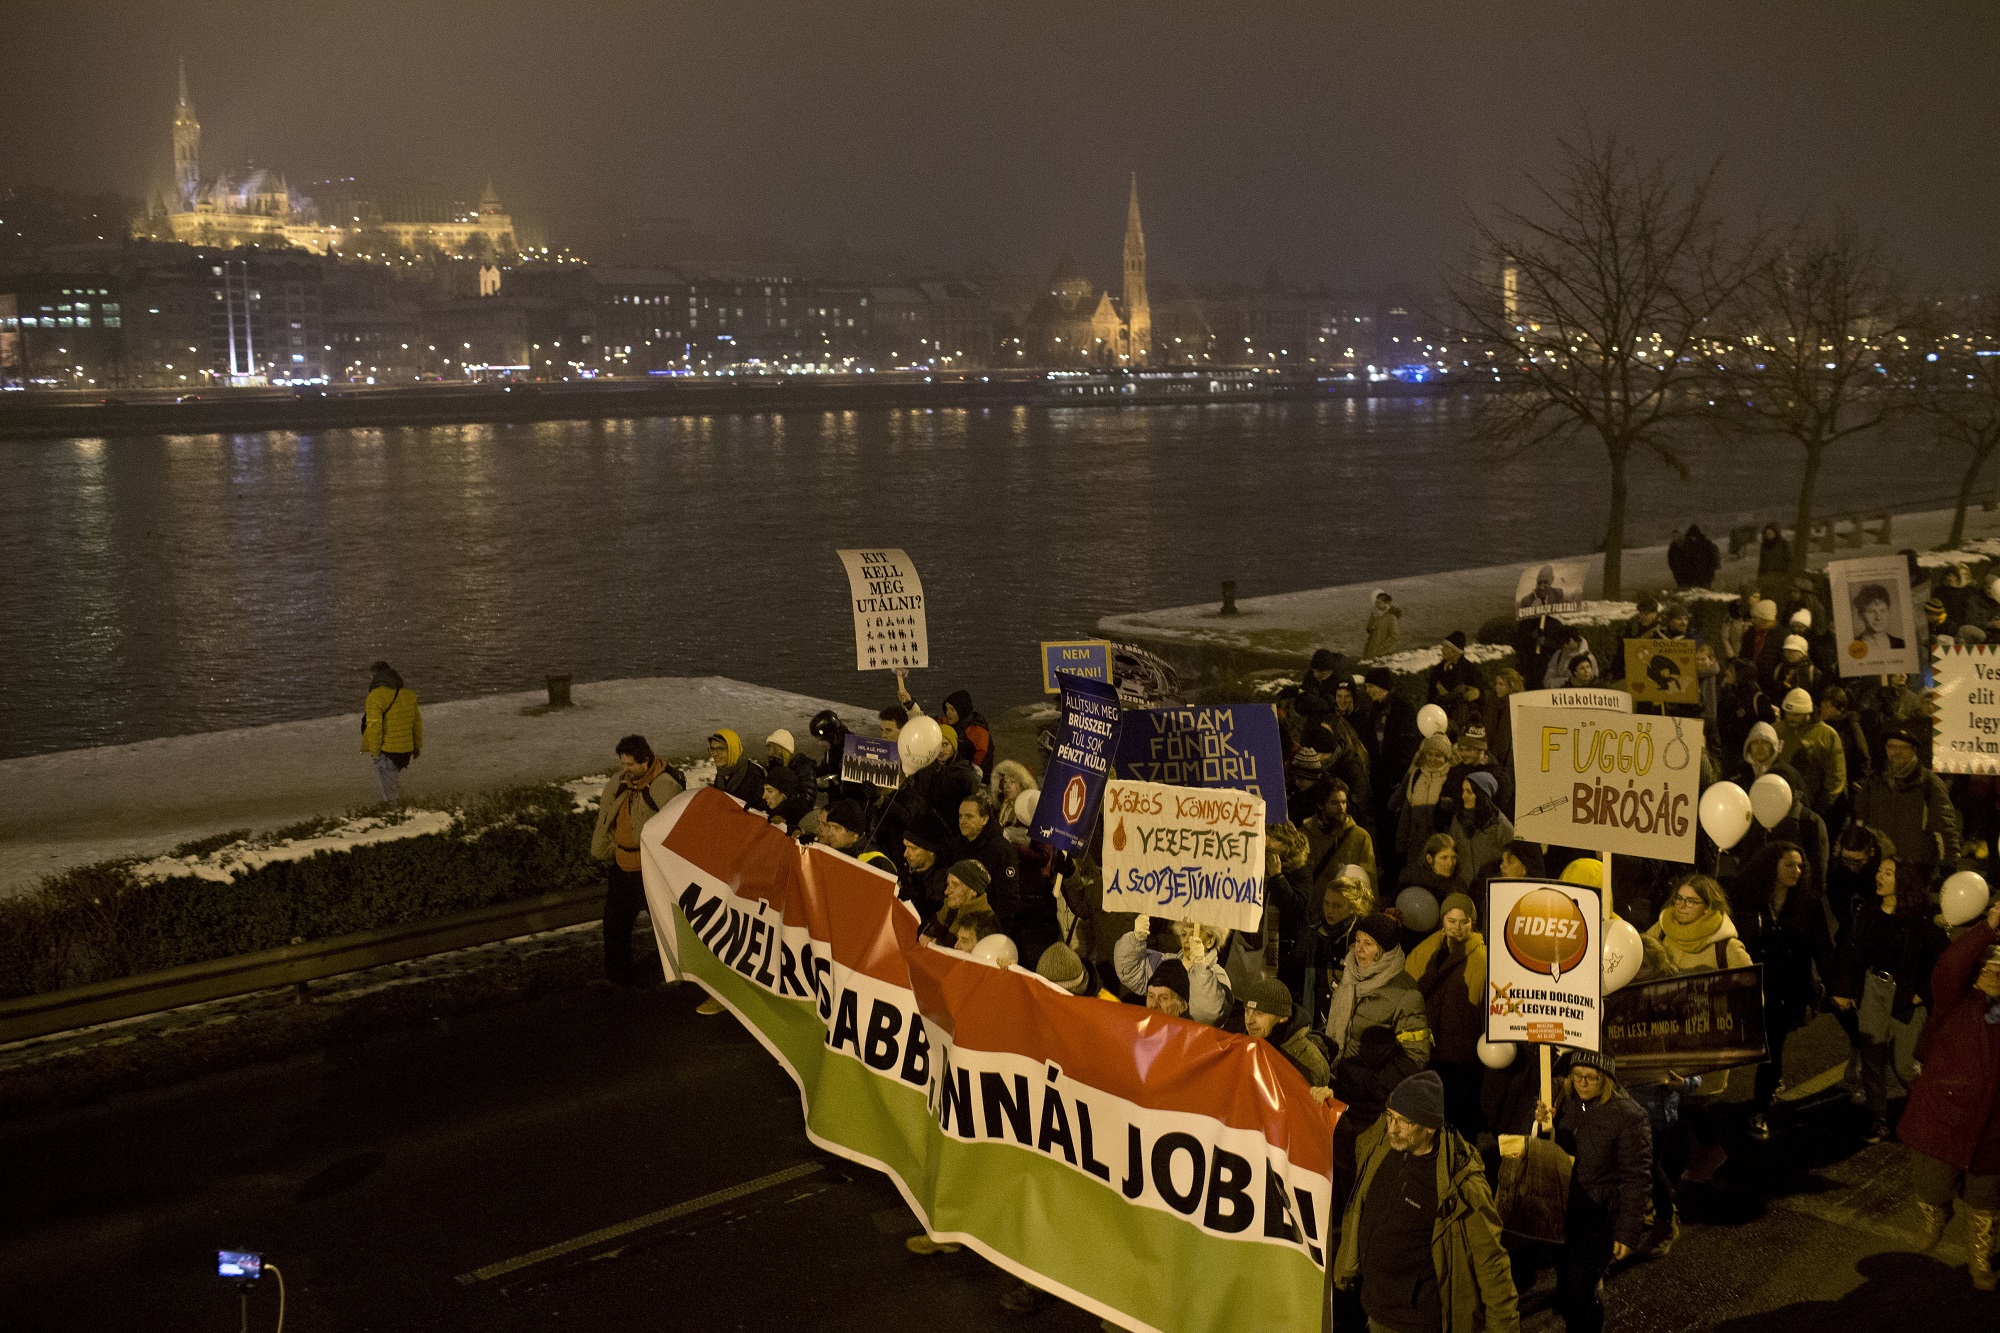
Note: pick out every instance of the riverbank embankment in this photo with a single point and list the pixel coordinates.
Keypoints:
(1285, 628)
(74, 807)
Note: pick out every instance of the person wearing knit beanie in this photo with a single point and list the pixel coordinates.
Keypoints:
(1168, 988)
(972, 874)
(1419, 1099)
(1380, 677)
(1795, 643)
(1382, 928)
(1060, 964)
(1462, 902)
(1798, 703)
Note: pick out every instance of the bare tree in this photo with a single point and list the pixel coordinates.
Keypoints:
(1820, 334)
(1959, 392)
(1594, 312)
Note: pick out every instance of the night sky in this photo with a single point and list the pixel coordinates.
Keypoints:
(1336, 143)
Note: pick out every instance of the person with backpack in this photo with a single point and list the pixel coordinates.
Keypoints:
(642, 785)
(392, 729)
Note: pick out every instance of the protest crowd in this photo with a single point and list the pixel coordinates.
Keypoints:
(1370, 971)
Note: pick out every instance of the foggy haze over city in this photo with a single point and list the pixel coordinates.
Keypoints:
(1330, 144)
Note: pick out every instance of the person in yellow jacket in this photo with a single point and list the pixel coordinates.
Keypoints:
(392, 729)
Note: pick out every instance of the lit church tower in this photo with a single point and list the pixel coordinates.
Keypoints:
(1138, 311)
(187, 150)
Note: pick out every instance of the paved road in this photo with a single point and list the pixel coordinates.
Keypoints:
(377, 1173)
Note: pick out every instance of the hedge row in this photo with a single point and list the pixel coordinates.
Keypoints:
(99, 922)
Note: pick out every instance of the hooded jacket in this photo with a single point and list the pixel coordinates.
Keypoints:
(1954, 1109)
(1475, 1280)
(1481, 834)
(738, 774)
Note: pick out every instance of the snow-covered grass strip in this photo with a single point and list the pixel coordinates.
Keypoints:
(246, 854)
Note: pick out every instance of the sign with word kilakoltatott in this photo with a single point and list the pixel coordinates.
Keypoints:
(1186, 853)
(889, 628)
(1545, 977)
(1612, 782)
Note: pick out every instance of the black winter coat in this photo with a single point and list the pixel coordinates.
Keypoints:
(1612, 1142)
(1906, 945)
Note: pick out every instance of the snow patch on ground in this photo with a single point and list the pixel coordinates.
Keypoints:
(1423, 659)
(1982, 548)
(225, 864)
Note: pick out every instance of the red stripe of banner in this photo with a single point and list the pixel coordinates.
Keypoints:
(1148, 1059)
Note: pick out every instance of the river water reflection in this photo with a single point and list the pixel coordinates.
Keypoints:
(163, 585)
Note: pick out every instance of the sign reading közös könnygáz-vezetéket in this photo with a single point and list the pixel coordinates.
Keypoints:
(1206, 745)
(1074, 781)
(1188, 853)
(888, 600)
(1545, 979)
(1612, 782)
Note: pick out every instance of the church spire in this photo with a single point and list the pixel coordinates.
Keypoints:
(187, 148)
(1138, 311)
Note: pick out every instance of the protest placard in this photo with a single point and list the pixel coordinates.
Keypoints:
(1687, 1023)
(1209, 745)
(1186, 853)
(1554, 588)
(1089, 659)
(888, 597)
(1662, 671)
(1874, 619)
(870, 761)
(1571, 696)
(1967, 694)
(1545, 980)
(1115, 1159)
(1078, 766)
(1609, 781)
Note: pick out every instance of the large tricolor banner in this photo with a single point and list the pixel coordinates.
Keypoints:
(1152, 1170)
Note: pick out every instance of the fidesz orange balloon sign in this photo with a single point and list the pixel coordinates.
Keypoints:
(1546, 933)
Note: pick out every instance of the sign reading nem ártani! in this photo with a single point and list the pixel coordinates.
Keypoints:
(1545, 980)
(1609, 781)
(1152, 1170)
(1089, 659)
(1188, 853)
(1967, 694)
(889, 629)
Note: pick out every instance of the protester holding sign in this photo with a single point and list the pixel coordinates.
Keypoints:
(1606, 1132)
(1194, 973)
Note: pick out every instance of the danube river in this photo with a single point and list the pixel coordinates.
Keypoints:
(161, 585)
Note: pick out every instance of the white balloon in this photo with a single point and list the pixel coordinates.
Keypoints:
(1496, 1054)
(1025, 804)
(919, 743)
(1963, 897)
(1419, 907)
(1623, 951)
(1431, 719)
(997, 950)
(1725, 814)
(1771, 800)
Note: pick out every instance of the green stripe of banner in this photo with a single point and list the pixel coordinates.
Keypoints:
(1036, 1215)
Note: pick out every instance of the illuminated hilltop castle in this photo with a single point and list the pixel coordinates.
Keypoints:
(261, 209)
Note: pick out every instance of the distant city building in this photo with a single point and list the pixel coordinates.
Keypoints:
(262, 209)
(1075, 324)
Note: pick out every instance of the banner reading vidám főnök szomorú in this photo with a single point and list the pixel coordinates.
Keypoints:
(1149, 1169)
